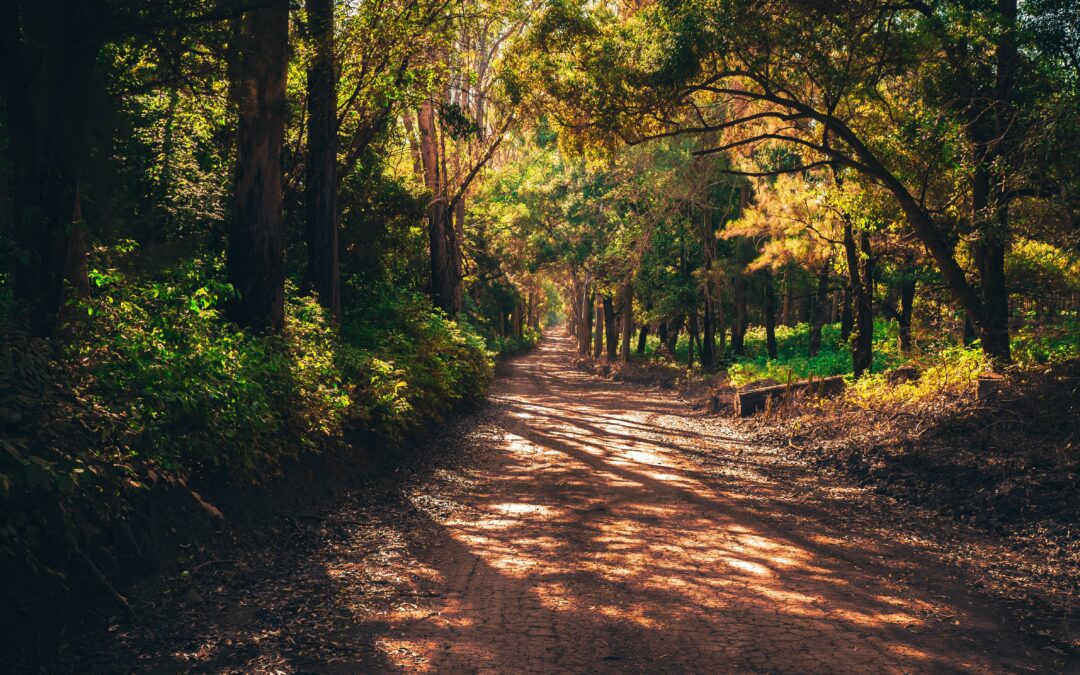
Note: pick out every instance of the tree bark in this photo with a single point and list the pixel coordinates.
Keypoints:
(990, 140)
(585, 323)
(609, 329)
(990, 224)
(516, 321)
(863, 334)
(770, 315)
(627, 320)
(642, 340)
(738, 326)
(673, 334)
(457, 262)
(320, 188)
(820, 312)
(45, 102)
(708, 327)
(598, 334)
(255, 254)
(750, 401)
(440, 225)
(907, 300)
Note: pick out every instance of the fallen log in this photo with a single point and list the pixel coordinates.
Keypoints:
(748, 402)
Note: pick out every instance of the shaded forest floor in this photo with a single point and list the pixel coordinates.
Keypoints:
(582, 525)
(991, 485)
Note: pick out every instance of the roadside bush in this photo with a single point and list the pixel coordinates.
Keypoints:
(791, 347)
(513, 346)
(161, 390)
(437, 364)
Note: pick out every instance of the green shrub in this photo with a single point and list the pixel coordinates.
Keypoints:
(1044, 345)
(513, 346)
(155, 382)
(194, 392)
(792, 343)
(439, 363)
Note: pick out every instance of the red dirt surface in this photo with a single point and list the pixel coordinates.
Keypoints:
(584, 526)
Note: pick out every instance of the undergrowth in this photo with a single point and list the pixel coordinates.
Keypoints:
(161, 390)
(942, 362)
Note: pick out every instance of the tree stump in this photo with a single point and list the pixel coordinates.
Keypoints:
(988, 386)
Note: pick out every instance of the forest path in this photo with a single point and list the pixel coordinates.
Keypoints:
(591, 526)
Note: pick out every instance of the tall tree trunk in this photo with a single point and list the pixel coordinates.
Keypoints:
(598, 334)
(440, 225)
(457, 262)
(847, 318)
(45, 102)
(320, 188)
(609, 329)
(989, 133)
(863, 334)
(642, 340)
(907, 300)
(585, 324)
(988, 253)
(692, 337)
(445, 219)
(770, 315)
(738, 326)
(674, 329)
(255, 255)
(627, 320)
(820, 310)
(708, 344)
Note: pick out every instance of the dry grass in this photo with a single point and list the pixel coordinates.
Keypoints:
(1006, 469)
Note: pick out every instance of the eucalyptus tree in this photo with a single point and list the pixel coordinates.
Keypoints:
(255, 257)
(364, 63)
(854, 86)
(68, 66)
(459, 124)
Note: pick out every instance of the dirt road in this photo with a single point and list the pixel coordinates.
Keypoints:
(588, 527)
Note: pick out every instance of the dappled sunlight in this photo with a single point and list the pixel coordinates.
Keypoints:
(521, 509)
(595, 542)
(750, 567)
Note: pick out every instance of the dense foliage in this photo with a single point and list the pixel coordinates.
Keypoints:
(224, 258)
(239, 235)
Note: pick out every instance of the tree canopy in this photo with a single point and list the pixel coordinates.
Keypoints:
(239, 231)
